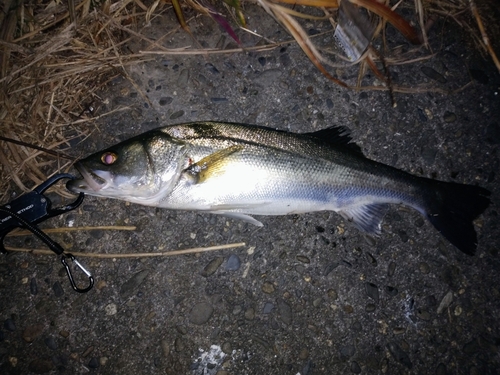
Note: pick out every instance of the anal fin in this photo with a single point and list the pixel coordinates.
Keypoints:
(367, 218)
(239, 216)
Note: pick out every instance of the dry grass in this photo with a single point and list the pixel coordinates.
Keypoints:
(52, 69)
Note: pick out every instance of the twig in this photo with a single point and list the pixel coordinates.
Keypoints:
(134, 255)
(486, 40)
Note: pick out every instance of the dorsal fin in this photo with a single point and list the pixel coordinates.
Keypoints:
(336, 135)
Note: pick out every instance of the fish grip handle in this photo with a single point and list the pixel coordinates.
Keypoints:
(34, 207)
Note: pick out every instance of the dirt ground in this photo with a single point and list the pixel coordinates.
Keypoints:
(307, 294)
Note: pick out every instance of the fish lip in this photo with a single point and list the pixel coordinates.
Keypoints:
(95, 182)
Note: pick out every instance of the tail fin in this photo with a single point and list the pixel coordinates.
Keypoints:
(452, 208)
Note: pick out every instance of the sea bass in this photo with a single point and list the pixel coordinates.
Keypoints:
(241, 170)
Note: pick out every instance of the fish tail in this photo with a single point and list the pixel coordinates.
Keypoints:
(452, 208)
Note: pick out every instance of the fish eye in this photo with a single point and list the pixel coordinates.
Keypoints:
(109, 158)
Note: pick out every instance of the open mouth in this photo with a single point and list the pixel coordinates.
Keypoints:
(90, 180)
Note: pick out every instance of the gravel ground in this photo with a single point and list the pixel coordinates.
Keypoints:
(308, 294)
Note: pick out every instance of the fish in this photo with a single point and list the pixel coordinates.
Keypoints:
(240, 170)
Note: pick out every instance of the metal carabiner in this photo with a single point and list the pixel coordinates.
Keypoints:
(70, 275)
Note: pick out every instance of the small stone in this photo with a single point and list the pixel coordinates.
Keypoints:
(399, 330)
(64, 333)
(268, 287)
(129, 287)
(268, 307)
(332, 293)
(348, 309)
(227, 347)
(433, 74)
(391, 269)
(93, 363)
(211, 267)
(370, 307)
(399, 354)
(87, 351)
(165, 348)
(101, 284)
(449, 117)
(391, 290)
(103, 361)
(33, 287)
(30, 333)
(304, 354)
(424, 268)
(371, 259)
(58, 290)
(165, 100)
(372, 291)
(445, 302)
(50, 342)
(233, 263)
(201, 313)
(303, 259)
(423, 314)
(237, 309)
(347, 351)
(355, 369)
(9, 325)
(177, 114)
(458, 311)
(250, 313)
(111, 309)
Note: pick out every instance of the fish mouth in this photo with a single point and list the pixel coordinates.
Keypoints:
(90, 181)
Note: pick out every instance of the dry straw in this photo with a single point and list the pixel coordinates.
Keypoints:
(56, 56)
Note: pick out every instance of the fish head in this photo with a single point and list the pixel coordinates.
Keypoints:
(143, 169)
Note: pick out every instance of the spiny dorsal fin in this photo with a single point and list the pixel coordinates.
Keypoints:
(211, 165)
(336, 135)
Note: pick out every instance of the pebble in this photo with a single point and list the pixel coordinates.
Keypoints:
(227, 347)
(303, 259)
(129, 287)
(423, 314)
(51, 343)
(30, 333)
(237, 309)
(347, 351)
(304, 354)
(445, 302)
(58, 289)
(33, 287)
(268, 307)
(391, 269)
(9, 325)
(250, 313)
(111, 309)
(392, 291)
(399, 354)
(94, 362)
(211, 267)
(177, 114)
(370, 307)
(371, 259)
(268, 287)
(233, 263)
(166, 100)
(372, 291)
(433, 74)
(424, 268)
(355, 367)
(449, 117)
(201, 313)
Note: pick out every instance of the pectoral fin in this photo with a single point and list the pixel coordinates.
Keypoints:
(368, 218)
(212, 165)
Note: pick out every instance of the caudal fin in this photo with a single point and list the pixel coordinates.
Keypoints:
(452, 208)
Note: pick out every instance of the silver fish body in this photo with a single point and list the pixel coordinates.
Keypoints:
(241, 170)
